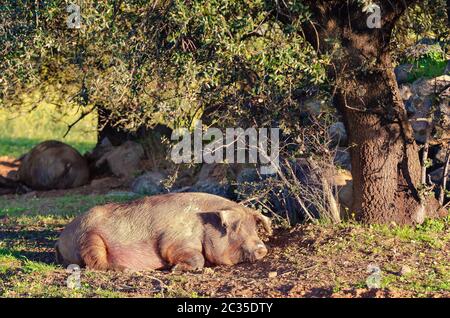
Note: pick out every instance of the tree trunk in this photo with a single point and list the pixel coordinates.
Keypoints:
(386, 168)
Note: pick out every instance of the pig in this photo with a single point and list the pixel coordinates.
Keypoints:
(182, 231)
(53, 165)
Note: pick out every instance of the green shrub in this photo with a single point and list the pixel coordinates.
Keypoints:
(429, 61)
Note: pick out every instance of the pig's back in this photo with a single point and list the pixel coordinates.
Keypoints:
(188, 202)
(147, 218)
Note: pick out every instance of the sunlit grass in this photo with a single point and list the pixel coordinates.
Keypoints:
(20, 131)
(47, 208)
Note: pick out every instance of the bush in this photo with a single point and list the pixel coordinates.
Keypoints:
(429, 61)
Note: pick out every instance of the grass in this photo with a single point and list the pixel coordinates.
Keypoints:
(29, 210)
(27, 267)
(21, 130)
(36, 220)
(12, 259)
(16, 147)
(431, 232)
(427, 64)
(30, 226)
(427, 67)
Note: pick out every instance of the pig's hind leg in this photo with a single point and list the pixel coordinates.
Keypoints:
(186, 259)
(94, 252)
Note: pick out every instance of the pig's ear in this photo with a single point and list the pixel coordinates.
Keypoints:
(265, 221)
(230, 220)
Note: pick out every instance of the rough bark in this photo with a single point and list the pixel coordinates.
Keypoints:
(386, 168)
(385, 161)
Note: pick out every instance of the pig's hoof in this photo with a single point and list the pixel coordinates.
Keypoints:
(186, 268)
(192, 263)
(178, 268)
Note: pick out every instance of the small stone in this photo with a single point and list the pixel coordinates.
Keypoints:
(338, 134)
(405, 270)
(208, 271)
(150, 183)
(273, 274)
(402, 72)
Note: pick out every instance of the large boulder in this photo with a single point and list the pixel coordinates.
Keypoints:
(342, 158)
(436, 177)
(403, 73)
(338, 134)
(430, 86)
(150, 183)
(123, 161)
(215, 179)
(420, 100)
(307, 182)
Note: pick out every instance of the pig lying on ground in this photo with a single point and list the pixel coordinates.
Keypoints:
(53, 165)
(181, 230)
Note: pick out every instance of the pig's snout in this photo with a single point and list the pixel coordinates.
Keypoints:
(257, 253)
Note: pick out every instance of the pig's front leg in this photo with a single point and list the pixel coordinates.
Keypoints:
(186, 259)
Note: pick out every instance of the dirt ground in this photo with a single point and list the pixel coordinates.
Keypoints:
(310, 260)
(306, 261)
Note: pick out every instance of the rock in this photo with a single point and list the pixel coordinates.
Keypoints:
(405, 270)
(429, 86)
(124, 160)
(410, 109)
(313, 106)
(440, 155)
(214, 179)
(405, 91)
(436, 175)
(420, 131)
(342, 158)
(338, 134)
(222, 189)
(121, 194)
(248, 175)
(150, 183)
(345, 195)
(403, 72)
(107, 182)
(419, 105)
(102, 147)
(184, 177)
(214, 171)
(273, 274)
